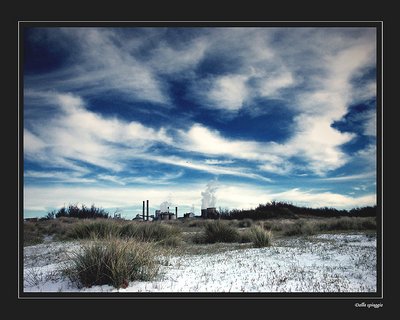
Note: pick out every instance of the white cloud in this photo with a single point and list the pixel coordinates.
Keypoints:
(213, 169)
(315, 138)
(330, 60)
(56, 176)
(32, 144)
(324, 199)
(370, 124)
(160, 179)
(217, 161)
(271, 84)
(101, 64)
(319, 144)
(166, 59)
(360, 176)
(228, 92)
(78, 134)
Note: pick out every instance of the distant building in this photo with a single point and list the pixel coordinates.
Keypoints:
(209, 213)
(138, 218)
(166, 216)
(188, 215)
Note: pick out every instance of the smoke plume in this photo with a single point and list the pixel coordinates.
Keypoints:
(164, 206)
(208, 196)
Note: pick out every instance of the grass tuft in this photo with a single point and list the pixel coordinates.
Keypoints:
(112, 261)
(220, 231)
(260, 237)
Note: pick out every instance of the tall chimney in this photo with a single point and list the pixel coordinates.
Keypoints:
(143, 210)
(147, 210)
(176, 212)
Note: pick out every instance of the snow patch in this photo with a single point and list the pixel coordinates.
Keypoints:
(322, 263)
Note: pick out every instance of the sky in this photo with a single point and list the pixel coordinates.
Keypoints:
(198, 116)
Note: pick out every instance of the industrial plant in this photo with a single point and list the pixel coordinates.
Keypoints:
(166, 214)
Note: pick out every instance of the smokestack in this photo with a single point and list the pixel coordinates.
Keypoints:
(147, 210)
(143, 210)
(176, 212)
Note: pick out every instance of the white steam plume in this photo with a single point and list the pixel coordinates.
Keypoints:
(208, 196)
(164, 206)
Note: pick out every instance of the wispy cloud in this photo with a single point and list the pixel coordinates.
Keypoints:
(56, 176)
(362, 176)
(213, 169)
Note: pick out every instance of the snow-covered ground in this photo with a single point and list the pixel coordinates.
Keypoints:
(322, 263)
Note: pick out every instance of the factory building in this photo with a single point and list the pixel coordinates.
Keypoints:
(166, 215)
(209, 213)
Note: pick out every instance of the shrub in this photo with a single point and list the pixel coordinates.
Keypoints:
(84, 212)
(260, 237)
(114, 262)
(219, 231)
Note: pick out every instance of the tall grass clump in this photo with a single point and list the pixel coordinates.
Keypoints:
(299, 227)
(94, 229)
(114, 262)
(260, 237)
(165, 234)
(220, 231)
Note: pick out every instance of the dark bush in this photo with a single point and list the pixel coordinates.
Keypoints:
(84, 212)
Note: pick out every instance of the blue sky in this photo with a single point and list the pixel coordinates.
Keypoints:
(243, 115)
